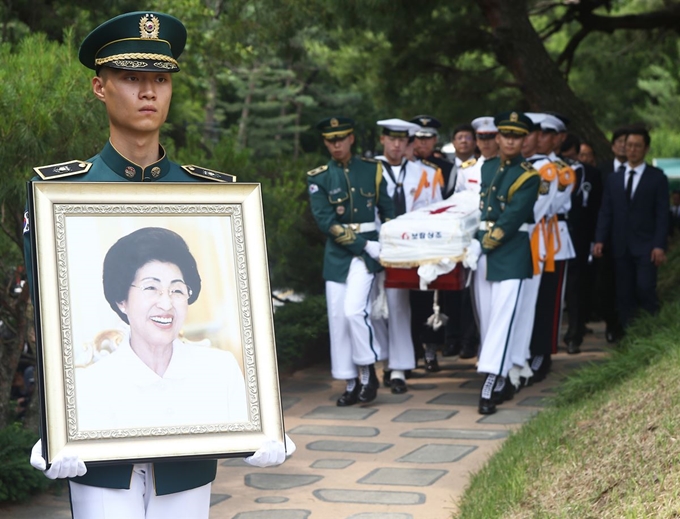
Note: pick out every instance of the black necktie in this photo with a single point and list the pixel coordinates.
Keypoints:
(399, 196)
(621, 168)
(629, 185)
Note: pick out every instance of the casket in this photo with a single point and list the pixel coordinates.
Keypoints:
(408, 278)
(436, 233)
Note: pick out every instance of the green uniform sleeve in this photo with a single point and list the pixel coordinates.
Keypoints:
(518, 210)
(326, 217)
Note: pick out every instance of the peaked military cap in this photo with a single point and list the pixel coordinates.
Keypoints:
(428, 125)
(335, 128)
(398, 127)
(144, 40)
(513, 122)
(484, 127)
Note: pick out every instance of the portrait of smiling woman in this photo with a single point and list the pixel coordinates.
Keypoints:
(155, 379)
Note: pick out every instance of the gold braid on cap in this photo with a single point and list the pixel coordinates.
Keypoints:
(340, 133)
(515, 129)
(136, 55)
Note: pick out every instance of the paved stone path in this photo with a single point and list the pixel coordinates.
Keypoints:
(401, 457)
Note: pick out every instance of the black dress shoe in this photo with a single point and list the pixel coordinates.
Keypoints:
(451, 350)
(486, 406)
(349, 397)
(573, 348)
(432, 366)
(504, 395)
(398, 386)
(468, 351)
(368, 392)
(386, 377)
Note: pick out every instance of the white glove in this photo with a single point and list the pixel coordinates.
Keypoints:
(372, 248)
(62, 466)
(271, 453)
(472, 254)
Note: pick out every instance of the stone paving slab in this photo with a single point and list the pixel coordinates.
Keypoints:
(456, 434)
(456, 399)
(266, 481)
(437, 453)
(435, 439)
(403, 477)
(373, 497)
(326, 412)
(424, 415)
(348, 446)
(335, 430)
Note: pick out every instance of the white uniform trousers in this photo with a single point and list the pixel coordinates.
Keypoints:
(140, 501)
(394, 333)
(353, 340)
(524, 326)
(497, 303)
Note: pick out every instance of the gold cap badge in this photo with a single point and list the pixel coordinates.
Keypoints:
(334, 123)
(514, 117)
(149, 26)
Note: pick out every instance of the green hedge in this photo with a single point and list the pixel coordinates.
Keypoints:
(302, 333)
(18, 479)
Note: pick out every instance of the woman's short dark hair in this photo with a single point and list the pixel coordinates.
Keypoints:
(135, 250)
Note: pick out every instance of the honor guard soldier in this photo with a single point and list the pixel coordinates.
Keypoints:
(412, 186)
(462, 335)
(542, 253)
(509, 190)
(470, 172)
(425, 143)
(344, 195)
(548, 318)
(134, 56)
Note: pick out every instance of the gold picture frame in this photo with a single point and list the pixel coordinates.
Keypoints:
(99, 417)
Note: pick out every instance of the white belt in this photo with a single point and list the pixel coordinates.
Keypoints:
(485, 226)
(360, 227)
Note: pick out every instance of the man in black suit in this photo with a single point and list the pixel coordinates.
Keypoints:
(605, 282)
(634, 219)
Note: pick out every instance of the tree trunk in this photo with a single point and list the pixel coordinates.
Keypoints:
(519, 48)
(242, 136)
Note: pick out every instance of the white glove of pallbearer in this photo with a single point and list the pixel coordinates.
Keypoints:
(62, 466)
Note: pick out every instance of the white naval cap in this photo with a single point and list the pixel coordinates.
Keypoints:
(536, 118)
(550, 122)
(398, 127)
(484, 125)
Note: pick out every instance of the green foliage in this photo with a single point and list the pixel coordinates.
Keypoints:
(49, 113)
(301, 333)
(18, 479)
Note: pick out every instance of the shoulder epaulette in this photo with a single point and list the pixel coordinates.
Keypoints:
(63, 169)
(318, 170)
(468, 163)
(366, 159)
(528, 166)
(430, 164)
(198, 171)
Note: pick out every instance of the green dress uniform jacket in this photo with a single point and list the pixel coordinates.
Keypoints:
(341, 197)
(508, 193)
(109, 166)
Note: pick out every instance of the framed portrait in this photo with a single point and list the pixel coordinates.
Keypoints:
(153, 320)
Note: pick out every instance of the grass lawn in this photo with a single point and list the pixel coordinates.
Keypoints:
(609, 446)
